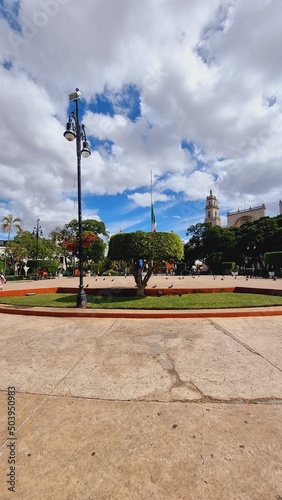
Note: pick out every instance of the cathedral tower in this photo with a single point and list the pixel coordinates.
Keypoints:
(212, 210)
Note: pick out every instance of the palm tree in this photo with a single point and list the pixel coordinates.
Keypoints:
(9, 223)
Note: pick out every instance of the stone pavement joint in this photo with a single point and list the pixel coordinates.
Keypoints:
(243, 344)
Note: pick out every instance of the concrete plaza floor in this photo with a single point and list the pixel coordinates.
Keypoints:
(142, 409)
(159, 281)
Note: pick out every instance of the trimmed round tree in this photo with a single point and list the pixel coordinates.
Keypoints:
(145, 252)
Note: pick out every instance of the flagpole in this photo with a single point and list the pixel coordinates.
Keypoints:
(151, 199)
(151, 187)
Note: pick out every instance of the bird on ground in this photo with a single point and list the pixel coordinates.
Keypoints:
(86, 286)
(113, 279)
(170, 286)
(154, 286)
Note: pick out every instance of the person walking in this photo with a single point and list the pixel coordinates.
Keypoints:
(2, 281)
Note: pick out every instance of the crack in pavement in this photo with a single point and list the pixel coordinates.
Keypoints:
(243, 344)
(205, 399)
(167, 363)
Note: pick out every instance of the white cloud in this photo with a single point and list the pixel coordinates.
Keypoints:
(144, 199)
(208, 73)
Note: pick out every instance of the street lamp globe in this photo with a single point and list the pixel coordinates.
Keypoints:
(69, 133)
(85, 149)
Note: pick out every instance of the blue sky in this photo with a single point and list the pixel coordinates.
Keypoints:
(169, 91)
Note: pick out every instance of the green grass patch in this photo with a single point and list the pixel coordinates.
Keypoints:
(113, 301)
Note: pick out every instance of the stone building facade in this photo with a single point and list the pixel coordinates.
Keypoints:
(233, 218)
(250, 214)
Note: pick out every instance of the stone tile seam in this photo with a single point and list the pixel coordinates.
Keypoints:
(243, 344)
(84, 355)
(56, 385)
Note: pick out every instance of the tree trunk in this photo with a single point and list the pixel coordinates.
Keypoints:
(139, 282)
(141, 277)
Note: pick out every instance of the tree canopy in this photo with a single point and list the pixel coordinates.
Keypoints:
(10, 223)
(144, 252)
(245, 245)
(94, 247)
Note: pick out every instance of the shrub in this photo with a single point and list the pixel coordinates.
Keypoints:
(227, 267)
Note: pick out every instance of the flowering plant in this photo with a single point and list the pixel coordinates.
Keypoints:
(87, 238)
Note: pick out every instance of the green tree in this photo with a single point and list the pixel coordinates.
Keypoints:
(16, 254)
(10, 224)
(145, 252)
(274, 260)
(96, 251)
(258, 237)
(43, 248)
(194, 248)
(70, 230)
(219, 246)
(212, 244)
(66, 239)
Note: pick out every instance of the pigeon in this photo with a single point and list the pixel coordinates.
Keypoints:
(113, 279)
(154, 286)
(86, 286)
(170, 286)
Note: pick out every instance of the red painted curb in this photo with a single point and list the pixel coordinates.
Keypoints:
(138, 314)
(130, 314)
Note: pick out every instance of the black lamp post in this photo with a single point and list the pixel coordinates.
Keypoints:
(251, 249)
(37, 230)
(75, 130)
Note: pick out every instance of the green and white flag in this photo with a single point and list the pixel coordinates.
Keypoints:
(153, 220)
